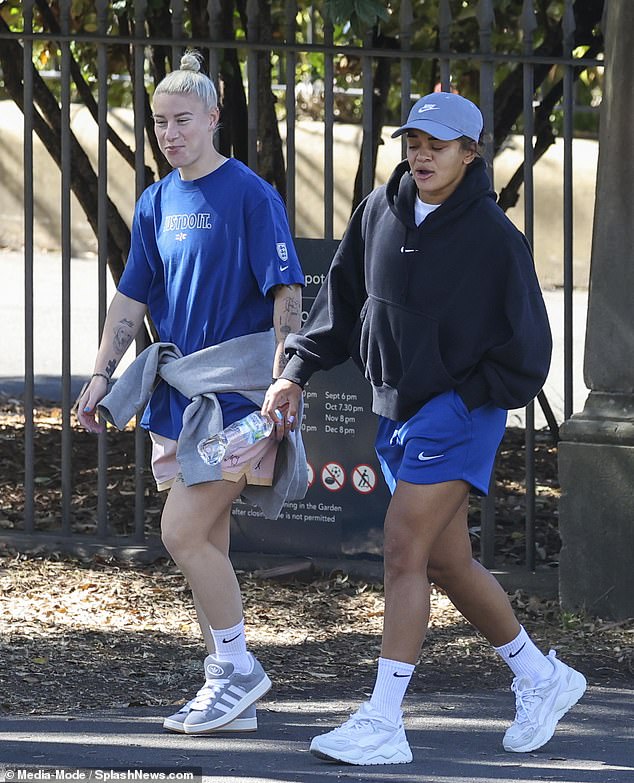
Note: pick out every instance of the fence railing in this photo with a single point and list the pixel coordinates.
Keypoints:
(382, 80)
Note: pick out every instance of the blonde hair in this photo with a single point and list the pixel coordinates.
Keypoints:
(188, 80)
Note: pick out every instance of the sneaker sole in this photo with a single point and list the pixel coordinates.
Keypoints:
(401, 755)
(576, 690)
(229, 717)
(237, 725)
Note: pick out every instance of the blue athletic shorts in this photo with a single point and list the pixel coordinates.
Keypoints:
(444, 441)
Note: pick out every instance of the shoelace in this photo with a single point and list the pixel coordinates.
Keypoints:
(208, 693)
(357, 723)
(524, 701)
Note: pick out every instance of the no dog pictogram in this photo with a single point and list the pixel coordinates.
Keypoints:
(333, 476)
(364, 479)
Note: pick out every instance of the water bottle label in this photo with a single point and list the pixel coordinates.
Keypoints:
(254, 427)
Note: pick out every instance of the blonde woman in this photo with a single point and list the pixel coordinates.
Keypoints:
(212, 261)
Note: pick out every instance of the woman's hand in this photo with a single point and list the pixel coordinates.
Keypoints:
(86, 407)
(281, 405)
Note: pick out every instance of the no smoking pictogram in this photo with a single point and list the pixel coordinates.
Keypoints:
(311, 474)
(333, 476)
(364, 479)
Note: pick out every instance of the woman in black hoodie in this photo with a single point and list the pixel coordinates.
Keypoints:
(433, 293)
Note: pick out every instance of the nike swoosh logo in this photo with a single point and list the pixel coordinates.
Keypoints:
(283, 268)
(396, 674)
(233, 638)
(423, 458)
(409, 249)
(517, 652)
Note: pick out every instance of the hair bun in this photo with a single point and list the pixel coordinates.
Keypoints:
(191, 61)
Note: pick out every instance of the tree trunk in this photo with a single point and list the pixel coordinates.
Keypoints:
(271, 165)
(381, 84)
(232, 137)
(47, 125)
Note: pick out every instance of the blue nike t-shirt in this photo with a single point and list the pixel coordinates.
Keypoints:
(204, 255)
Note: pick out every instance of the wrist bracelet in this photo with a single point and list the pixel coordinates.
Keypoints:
(100, 375)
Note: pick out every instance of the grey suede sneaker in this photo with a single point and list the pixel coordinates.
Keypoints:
(225, 696)
(246, 721)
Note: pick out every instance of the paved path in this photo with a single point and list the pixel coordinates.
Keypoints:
(455, 738)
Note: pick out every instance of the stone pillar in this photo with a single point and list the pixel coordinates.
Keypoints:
(596, 453)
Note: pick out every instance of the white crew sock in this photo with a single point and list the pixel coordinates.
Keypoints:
(525, 659)
(231, 645)
(392, 679)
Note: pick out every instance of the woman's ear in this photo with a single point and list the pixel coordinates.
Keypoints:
(470, 155)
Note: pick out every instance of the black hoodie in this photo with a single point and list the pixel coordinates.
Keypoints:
(451, 304)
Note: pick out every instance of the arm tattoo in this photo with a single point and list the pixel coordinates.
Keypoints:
(122, 336)
(289, 319)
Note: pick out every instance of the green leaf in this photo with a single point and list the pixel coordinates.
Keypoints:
(360, 13)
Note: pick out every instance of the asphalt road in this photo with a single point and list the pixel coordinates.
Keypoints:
(455, 738)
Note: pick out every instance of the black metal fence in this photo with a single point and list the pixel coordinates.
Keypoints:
(317, 40)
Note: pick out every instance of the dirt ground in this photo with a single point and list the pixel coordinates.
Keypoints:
(47, 450)
(78, 634)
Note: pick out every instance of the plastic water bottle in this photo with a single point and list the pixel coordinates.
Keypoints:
(241, 433)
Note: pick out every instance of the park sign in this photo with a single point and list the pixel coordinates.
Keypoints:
(343, 510)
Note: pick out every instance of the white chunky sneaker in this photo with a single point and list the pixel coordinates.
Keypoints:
(246, 721)
(365, 738)
(225, 696)
(540, 707)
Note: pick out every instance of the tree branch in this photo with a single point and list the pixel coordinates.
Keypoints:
(86, 94)
(48, 128)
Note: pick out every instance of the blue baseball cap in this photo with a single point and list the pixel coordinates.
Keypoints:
(444, 115)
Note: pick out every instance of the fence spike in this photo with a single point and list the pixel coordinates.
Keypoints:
(177, 18)
(444, 24)
(64, 16)
(253, 20)
(406, 21)
(27, 13)
(569, 26)
(291, 15)
(102, 14)
(528, 19)
(214, 11)
(486, 17)
(140, 7)
(176, 7)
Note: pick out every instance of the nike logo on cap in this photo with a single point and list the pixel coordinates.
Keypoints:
(423, 458)
(428, 107)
